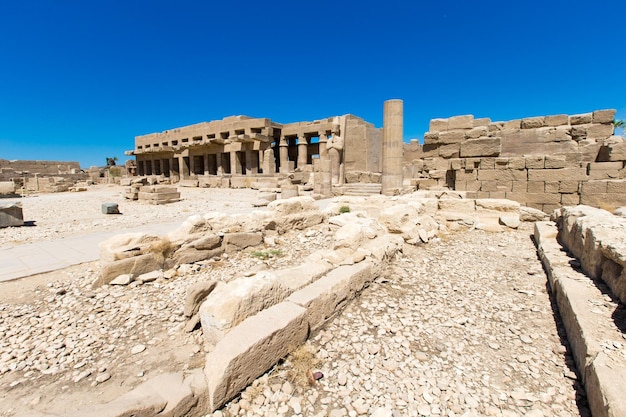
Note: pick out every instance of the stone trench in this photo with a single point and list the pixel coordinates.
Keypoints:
(476, 334)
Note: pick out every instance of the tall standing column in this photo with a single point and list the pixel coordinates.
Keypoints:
(392, 147)
(284, 156)
(302, 151)
(323, 140)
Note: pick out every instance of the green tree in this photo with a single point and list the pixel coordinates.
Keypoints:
(619, 126)
(111, 161)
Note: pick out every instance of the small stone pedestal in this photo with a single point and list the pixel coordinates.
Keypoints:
(110, 208)
(11, 215)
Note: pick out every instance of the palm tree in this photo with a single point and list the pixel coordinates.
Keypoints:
(111, 161)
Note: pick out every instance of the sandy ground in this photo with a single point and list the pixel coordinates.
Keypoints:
(57, 215)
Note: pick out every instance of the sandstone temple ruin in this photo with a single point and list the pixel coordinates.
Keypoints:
(541, 162)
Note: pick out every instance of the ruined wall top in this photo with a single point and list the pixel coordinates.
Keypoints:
(466, 136)
(39, 167)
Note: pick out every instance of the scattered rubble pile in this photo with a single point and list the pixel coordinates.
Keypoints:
(251, 321)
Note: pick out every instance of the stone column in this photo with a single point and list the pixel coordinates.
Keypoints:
(219, 168)
(235, 166)
(323, 141)
(269, 166)
(183, 169)
(302, 152)
(284, 157)
(334, 156)
(392, 147)
(206, 164)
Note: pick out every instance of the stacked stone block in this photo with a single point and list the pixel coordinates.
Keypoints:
(154, 194)
(542, 162)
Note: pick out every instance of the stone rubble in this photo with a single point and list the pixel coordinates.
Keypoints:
(430, 338)
(118, 334)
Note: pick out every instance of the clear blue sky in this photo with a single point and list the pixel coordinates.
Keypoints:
(79, 79)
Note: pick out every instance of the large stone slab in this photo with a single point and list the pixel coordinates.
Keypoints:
(231, 303)
(329, 294)
(480, 147)
(135, 265)
(603, 371)
(251, 348)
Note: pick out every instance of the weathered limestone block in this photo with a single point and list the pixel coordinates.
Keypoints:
(159, 198)
(532, 122)
(188, 183)
(189, 254)
(135, 265)
(295, 213)
(482, 121)
(129, 245)
(497, 205)
(438, 125)
(11, 215)
(231, 303)
(556, 120)
(457, 205)
(477, 132)
(536, 198)
(565, 174)
(349, 236)
(329, 294)
(480, 147)
(237, 241)
(7, 187)
(603, 200)
(536, 186)
(196, 295)
(615, 150)
(502, 175)
(600, 131)
(461, 122)
(529, 214)
(451, 136)
(598, 239)
(570, 199)
(384, 247)
(431, 138)
(535, 161)
(252, 348)
(555, 161)
(579, 119)
(396, 217)
(604, 116)
(568, 186)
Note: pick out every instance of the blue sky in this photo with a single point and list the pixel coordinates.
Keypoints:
(79, 79)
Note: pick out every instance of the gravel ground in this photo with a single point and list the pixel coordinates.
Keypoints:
(461, 327)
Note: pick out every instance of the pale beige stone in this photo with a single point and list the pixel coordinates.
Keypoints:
(603, 116)
(252, 348)
(329, 294)
(461, 122)
(438, 125)
(532, 122)
(480, 147)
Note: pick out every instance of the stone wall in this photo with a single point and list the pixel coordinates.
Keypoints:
(19, 168)
(541, 162)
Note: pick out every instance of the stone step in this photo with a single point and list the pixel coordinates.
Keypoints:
(361, 189)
